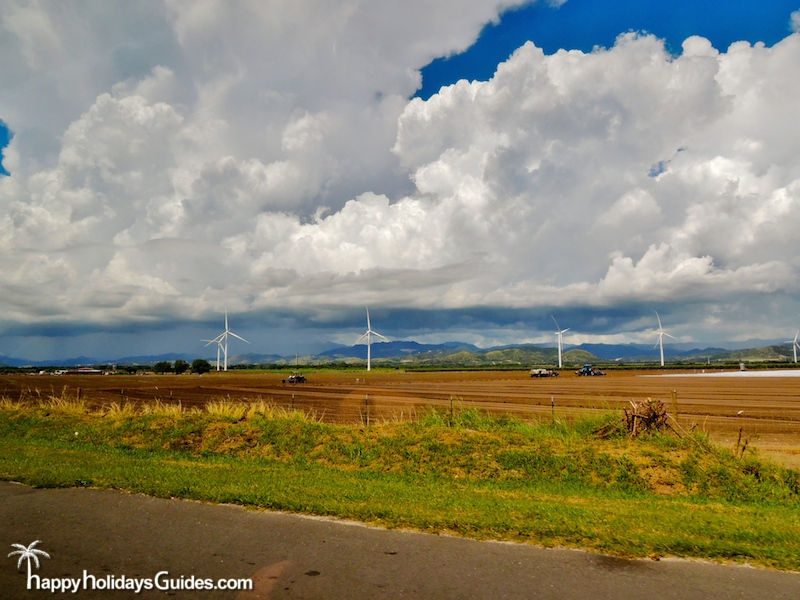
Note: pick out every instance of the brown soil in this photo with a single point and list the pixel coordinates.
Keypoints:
(770, 420)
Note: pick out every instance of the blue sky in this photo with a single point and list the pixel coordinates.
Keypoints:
(168, 164)
(4, 139)
(584, 24)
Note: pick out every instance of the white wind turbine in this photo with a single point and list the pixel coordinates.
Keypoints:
(222, 343)
(559, 337)
(794, 344)
(661, 333)
(219, 347)
(367, 335)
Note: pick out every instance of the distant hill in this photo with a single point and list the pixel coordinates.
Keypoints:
(644, 351)
(255, 359)
(467, 355)
(454, 354)
(576, 356)
(758, 354)
(397, 349)
(8, 361)
(149, 359)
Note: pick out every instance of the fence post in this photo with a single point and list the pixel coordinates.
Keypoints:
(451, 410)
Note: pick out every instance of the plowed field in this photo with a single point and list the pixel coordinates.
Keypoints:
(770, 417)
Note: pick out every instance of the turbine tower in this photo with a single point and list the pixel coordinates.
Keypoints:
(222, 343)
(367, 335)
(794, 344)
(661, 333)
(559, 337)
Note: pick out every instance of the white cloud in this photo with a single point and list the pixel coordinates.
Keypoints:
(636, 210)
(561, 150)
(206, 124)
(188, 155)
(38, 41)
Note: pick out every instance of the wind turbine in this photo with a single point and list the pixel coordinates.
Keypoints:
(367, 335)
(559, 337)
(219, 346)
(794, 344)
(222, 343)
(661, 333)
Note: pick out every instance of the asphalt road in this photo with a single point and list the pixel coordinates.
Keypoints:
(121, 537)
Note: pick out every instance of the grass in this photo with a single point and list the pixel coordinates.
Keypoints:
(551, 483)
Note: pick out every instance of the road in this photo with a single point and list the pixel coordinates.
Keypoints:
(119, 535)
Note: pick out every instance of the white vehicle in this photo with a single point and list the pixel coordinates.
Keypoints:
(544, 373)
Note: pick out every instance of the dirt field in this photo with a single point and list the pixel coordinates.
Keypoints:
(770, 419)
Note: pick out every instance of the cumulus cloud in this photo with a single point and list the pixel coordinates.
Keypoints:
(191, 155)
(205, 124)
(558, 150)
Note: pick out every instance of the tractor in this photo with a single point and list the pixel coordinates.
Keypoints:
(589, 370)
(294, 378)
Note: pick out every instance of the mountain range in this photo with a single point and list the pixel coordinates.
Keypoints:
(410, 353)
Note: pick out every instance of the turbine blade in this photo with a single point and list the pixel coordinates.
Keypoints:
(378, 335)
(563, 330)
(668, 335)
(238, 337)
(556, 322)
(659, 320)
(217, 339)
(368, 325)
(363, 336)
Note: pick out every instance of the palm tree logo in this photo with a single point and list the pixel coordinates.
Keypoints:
(28, 553)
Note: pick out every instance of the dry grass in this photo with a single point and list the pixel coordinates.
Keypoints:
(10, 404)
(120, 410)
(66, 404)
(219, 408)
(236, 411)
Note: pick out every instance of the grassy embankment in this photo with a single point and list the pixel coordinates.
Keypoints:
(481, 476)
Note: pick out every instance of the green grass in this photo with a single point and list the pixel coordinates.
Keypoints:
(466, 473)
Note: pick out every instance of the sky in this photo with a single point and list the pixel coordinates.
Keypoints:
(467, 169)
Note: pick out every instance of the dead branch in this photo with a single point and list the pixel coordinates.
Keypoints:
(650, 415)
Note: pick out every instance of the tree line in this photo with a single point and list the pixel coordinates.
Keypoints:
(181, 366)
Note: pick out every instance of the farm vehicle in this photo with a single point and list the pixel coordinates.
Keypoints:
(544, 373)
(589, 370)
(294, 378)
